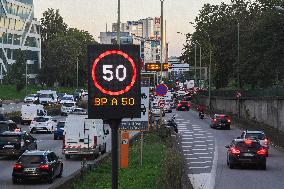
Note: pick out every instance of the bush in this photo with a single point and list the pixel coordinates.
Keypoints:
(53, 110)
(83, 104)
(14, 116)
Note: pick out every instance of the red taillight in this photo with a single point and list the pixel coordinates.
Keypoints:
(188, 105)
(17, 166)
(215, 120)
(261, 152)
(95, 140)
(229, 121)
(179, 105)
(44, 167)
(235, 150)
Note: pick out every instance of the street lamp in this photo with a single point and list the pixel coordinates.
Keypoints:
(162, 36)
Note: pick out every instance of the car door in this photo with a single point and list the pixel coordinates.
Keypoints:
(51, 163)
(56, 166)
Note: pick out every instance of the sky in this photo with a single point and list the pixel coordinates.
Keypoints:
(92, 15)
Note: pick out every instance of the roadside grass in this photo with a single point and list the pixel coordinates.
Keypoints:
(9, 92)
(136, 176)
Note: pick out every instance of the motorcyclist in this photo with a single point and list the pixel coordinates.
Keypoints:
(201, 109)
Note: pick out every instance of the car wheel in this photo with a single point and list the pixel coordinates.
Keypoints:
(35, 147)
(263, 166)
(231, 165)
(67, 156)
(61, 171)
(33, 131)
(15, 181)
(50, 180)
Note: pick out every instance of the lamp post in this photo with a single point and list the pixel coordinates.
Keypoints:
(77, 72)
(118, 23)
(162, 37)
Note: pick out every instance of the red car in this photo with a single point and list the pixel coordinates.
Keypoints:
(220, 120)
(183, 105)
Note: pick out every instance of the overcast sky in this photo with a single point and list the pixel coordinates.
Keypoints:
(92, 15)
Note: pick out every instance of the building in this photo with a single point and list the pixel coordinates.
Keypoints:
(19, 30)
(111, 38)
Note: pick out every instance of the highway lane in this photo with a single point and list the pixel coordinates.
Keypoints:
(213, 170)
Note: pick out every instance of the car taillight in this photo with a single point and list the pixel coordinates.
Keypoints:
(17, 166)
(235, 150)
(44, 167)
(229, 121)
(266, 141)
(179, 105)
(95, 140)
(261, 152)
(188, 105)
(214, 120)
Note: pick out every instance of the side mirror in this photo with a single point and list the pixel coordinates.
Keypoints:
(227, 146)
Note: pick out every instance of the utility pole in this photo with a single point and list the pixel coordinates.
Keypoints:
(210, 62)
(162, 37)
(118, 24)
(77, 72)
(26, 77)
(195, 65)
(199, 66)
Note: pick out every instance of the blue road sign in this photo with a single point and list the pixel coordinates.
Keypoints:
(161, 90)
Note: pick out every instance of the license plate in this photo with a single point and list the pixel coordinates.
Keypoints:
(248, 155)
(9, 146)
(30, 169)
(40, 128)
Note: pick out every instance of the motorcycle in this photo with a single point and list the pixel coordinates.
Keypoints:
(201, 115)
(172, 124)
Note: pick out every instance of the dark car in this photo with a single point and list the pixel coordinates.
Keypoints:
(2, 117)
(7, 126)
(59, 130)
(183, 105)
(220, 121)
(16, 143)
(1, 102)
(37, 165)
(246, 151)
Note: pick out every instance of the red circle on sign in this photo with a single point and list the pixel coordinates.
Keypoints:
(128, 87)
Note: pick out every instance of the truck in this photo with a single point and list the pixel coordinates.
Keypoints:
(84, 137)
(30, 111)
(47, 97)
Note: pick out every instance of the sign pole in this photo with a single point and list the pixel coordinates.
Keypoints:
(114, 124)
(142, 140)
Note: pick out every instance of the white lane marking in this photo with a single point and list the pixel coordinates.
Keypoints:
(205, 157)
(210, 148)
(211, 136)
(201, 162)
(187, 138)
(186, 141)
(210, 140)
(196, 125)
(204, 167)
(197, 141)
(197, 149)
(202, 131)
(191, 158)
(200, 137)
(210, 144)
(197, 129)
(201, 153)
(199, 145)
(189, 154)
(187, 150)
(189, 132)
(180, 119)
(198, 134)
(187, 135)
(181, 126)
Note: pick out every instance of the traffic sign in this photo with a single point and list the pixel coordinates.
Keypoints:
(114, 81)
(161, 103)
(161, 90)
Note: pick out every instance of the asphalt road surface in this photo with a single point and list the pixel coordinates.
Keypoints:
(205, 154)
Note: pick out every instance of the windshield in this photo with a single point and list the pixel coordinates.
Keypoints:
(243, 145)
(45, 96)
(41, 119)
(67, 98)
(259, 136)
(60, 125)
(69, 104)
(31, 95)
(10, 138)
(32, 159)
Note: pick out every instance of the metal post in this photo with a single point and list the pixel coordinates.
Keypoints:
(195, 63)
(27, 77)
(210, 57)
(162, 37)
(114, 124)
(77, 73)
(141, 157)
(238, 63)
(199, 66)
(118, 24)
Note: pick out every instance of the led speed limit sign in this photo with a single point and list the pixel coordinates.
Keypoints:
(114, 82)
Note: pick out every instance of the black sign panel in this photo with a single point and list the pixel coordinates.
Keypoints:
(114, 82)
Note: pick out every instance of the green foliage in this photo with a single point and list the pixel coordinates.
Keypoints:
(14, 116)
(16, 71)
(53, 110)
(62, 48)
(261, 42)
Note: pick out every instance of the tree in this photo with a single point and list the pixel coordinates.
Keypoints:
(16, 72)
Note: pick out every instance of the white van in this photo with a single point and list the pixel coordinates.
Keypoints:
(67, 107)
(30, 111)
(84, 136)
(47, 97)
